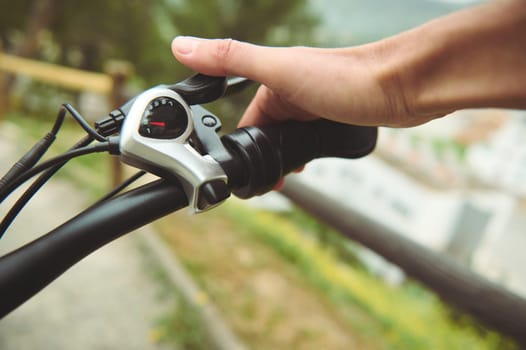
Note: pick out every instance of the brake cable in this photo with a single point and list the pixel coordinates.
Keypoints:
(26, 167)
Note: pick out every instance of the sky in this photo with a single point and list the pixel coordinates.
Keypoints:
(357, 21)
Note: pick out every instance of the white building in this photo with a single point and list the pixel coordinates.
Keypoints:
(464, 224)
(501, 160)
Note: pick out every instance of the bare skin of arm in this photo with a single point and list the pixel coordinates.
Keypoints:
(469, 59)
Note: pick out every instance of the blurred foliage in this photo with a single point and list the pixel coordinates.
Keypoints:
(263, 21)
(183, 327)
(344, 248)
(86, 34)
(412, 318)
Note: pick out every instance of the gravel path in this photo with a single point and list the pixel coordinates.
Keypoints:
(110, 300)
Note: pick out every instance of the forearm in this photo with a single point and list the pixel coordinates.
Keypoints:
(472, 58)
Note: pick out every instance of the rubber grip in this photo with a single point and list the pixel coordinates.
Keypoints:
(268, 153)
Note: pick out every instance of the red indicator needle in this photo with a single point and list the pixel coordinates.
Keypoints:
(163, 124)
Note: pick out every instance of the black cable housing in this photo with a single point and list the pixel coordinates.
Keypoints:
(28, 160)
(35, 153)
(100, 147)
(83, 123)
(34, 188)
(122, 186)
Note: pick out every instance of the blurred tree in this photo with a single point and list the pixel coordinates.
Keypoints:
(85, 34)
(12, 19)
(89, 33)
(39, 16)
(261, 21)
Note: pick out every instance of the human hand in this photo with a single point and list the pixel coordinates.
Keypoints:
(469, 59)
(348, 85)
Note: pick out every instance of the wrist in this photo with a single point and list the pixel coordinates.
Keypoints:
(472, 58)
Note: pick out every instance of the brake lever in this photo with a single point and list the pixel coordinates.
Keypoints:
(200, 88)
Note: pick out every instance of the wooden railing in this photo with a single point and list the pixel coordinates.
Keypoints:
(52, 74)
(111, 83)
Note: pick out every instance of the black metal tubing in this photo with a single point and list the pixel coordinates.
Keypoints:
(495, 306)
(27, 270)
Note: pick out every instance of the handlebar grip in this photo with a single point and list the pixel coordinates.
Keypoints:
(30, 268)
(268, 153)
(200, 88)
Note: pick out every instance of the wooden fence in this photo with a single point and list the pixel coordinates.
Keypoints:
(53, 74)
(111, 83)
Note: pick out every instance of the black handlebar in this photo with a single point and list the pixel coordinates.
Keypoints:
(256, 158)
(269, 153)
(27, 270)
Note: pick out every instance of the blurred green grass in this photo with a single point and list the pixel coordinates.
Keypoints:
(411, 317)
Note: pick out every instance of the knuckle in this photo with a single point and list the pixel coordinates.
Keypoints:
(224, 49)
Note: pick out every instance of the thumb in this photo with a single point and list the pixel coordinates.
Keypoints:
(223, 57)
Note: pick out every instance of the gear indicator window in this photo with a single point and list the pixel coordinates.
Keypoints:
(164, 118)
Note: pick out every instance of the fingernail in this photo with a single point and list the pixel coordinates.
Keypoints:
(184, 45)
